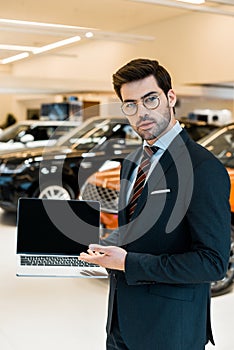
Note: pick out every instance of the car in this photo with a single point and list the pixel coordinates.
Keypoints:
(103, 186)
(31, 133)
(60, 171)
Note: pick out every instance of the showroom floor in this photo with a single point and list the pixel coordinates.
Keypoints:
(56, 313)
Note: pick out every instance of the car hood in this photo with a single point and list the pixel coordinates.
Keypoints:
(45, 152)
(6, 146)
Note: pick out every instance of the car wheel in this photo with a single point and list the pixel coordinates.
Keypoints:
(226, 284)
(56, 192)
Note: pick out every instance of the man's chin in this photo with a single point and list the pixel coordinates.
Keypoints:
(148, 137)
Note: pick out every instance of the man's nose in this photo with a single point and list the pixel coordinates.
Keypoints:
(142, 111)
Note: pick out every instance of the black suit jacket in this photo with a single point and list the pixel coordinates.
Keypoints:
(177, 243)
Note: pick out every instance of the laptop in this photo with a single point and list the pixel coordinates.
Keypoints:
(51, 234)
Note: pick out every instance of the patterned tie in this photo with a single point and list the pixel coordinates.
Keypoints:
(140, 179)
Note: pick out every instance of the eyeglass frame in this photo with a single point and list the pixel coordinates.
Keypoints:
(142, 100)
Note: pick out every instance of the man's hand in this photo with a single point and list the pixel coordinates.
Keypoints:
(110, 257)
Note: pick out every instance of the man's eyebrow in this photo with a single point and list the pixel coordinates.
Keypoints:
(150, 93)
(146, 95)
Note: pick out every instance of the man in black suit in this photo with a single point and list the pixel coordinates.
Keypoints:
(174, 225)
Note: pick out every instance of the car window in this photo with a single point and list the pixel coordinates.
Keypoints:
(131, 137)
(75, 135)
(56, 132)
(197, 129)
(38, 132)
(46, 132)
(100, 134)
(223, 147)
(94, 137)
(196, 132)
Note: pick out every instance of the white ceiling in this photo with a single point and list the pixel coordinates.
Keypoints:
(110, 18)
(120, 20)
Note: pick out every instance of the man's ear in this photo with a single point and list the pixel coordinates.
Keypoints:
(171, 98)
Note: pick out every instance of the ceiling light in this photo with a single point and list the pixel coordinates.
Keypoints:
(89, 35)
(16, 47)
(57, 44)
(197, 2)
(39, 24)
(20, 56)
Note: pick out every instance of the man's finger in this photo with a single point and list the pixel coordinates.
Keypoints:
(91, 252)
(83, 256)
(98, 248)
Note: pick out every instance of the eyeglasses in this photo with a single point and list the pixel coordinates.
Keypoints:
(150, 102)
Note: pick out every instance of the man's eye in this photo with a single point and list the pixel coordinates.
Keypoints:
(130, 105)
(151, 99)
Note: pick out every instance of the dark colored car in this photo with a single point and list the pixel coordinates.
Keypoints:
(60, 171)
(31, 133)
(197, 129)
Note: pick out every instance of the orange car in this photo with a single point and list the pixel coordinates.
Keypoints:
(104, 187)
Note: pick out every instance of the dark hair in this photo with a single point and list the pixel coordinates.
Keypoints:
(138, 69)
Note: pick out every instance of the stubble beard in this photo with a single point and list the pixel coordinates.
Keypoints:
(159, 128)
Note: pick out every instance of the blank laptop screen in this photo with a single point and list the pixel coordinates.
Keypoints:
(51, 226)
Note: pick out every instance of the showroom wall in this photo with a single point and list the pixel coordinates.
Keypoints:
(196, 48)
(6, 106)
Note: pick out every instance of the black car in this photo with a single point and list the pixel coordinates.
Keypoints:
(197, 129)
(31, 133)
(59, 172)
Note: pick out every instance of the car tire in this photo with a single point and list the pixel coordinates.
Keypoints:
(226, 284)
(56, 192)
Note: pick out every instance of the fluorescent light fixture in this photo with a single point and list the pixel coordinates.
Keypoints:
(57, 44)
(39, 24)
(16, 48)
(35, 50)
(196, 2)
(20, 56)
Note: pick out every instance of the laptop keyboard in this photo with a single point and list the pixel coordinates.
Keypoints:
(54, 261)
